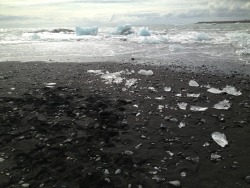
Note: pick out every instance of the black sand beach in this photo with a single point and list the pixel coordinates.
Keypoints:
(82, 132)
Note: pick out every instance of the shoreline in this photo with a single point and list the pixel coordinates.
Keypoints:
(87, 131)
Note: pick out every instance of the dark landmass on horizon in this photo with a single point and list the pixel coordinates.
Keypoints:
(225, 22)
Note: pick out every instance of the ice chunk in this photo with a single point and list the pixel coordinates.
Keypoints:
(160, 98)
(202, 37)
(198, 108)
(95, 71)
(176, 48)
(193, 83)
(220, 139)
(167, 89)
(193, 95)
(228, 89)
(146, 72)
(144, 32)
(182, 106)
(181, 125)
(35, 37)
(160, 107)
(112, 77)
(1, 159)
(231, 91)
(215, 156)
(175, 183)
(130, 82)
(123, 30)
(223, 105)
(214, 90)
(152, 89)
(86, 31)
(50, 85)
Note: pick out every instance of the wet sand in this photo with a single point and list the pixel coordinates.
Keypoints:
(84, 132)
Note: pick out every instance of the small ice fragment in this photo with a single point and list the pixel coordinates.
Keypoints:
(160, 98)
(193, 95)
(198, 108)
(193, 83)
(146, 72)
(178, 95)
(50, 84)
(118, 171)
(95, 71)
(215, 91)
(231, 91)
(220, 139)
(135, 105)
(181, 125)
(12, 88)
(160, 107)
(215, 156)
(223, 105)
(175, 183)
(106, 172)
(35, 37)
(170, 153)
(1, 159)
(205, 144)
(139, 145)
(130, 82)
(127, 152)
(152, 89)
(25, 185)
(113, 77)
(183, 174)
(167, 89)
(182, 105)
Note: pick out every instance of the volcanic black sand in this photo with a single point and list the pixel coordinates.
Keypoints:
(84, 132)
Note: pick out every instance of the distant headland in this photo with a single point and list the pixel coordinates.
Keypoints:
(224, 22)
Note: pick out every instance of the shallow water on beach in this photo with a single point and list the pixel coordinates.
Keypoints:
(203, 42)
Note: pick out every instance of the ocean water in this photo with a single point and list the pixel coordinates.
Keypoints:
(193, 43)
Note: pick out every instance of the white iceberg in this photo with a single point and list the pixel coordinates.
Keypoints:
(193, 83)
(144, 32)
(123, 30)
(223, 105)
(146, 72)
(220, 139)
(86, 31)
(35, 37)
(202, 37)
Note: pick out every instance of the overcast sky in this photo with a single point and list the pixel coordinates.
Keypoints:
(58, 13)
